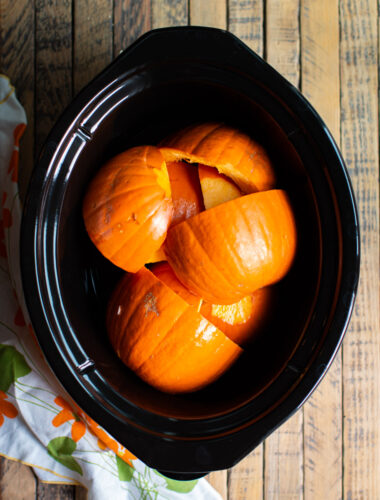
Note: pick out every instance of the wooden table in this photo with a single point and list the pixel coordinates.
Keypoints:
(51, 48)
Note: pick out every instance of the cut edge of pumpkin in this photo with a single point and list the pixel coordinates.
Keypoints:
(173, 154)
(198, 304)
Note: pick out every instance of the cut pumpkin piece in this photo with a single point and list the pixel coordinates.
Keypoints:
(186, 195)
(229, 251)
(230, 151)
(186, 191)
(240, 321)
(127, 208)
(243, 320)
(164, 340)
(216, 188)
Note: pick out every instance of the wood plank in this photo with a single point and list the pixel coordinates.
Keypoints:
(245, 480)
(17, 62)
(212, 13)
(218, 480)
(283, 472)
(49, 491)
(323, 412)
(92, 39)
(17, 481)
(283, 38)
(245, 20)
(81, 493)
(132, 18)
(360, 135)
(53, 64)
(169, 13)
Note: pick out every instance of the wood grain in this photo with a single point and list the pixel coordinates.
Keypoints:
(17, 62)
(48, 491)
(323, 412)
(92, 39)
(211, 13)
(218, 480)
(81, 493)
(169, 13)
(246, 20)
(53, 64)
(245, 480)
(360, 136)
(132, 18)
(17, 481)
(283, 472)
(283, 38)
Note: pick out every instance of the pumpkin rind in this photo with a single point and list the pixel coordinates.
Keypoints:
(229, 251)
(240, 321)
(128, 208)
(231, 151)
(163, 339)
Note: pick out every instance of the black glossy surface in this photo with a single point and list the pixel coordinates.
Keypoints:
(167, 79)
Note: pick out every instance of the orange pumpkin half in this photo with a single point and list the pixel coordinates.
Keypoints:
(128, 207)
(233, 249)
(164, 340)
(229, 150)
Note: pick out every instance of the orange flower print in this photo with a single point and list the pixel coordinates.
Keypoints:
(3, 250)
(19, 318)
(78, 428)
(13, 164)
(7, 217)
(105, 441)
(6, 408)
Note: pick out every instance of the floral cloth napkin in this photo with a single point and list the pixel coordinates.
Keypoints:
(39, 424)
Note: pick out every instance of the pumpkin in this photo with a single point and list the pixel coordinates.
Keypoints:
(240, 321)
(233, 249)
(163, 339)
(128, 207)
(230, 151)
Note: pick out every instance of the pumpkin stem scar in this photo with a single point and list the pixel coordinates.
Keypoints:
(150, 304)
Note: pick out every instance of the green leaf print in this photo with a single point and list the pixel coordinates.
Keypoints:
(12, 366)
(124, 470)
(178, 486)
(61, 449)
